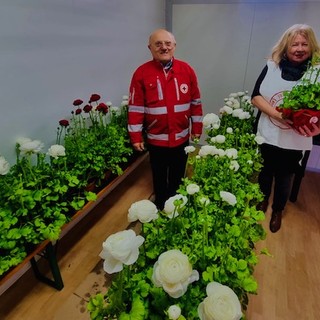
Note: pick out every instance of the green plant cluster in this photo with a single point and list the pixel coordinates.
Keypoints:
(306, 94)
(218, 238)
(40, 194)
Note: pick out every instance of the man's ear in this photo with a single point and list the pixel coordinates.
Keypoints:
(149, 47)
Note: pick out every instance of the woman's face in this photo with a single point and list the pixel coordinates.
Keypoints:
(298, 51)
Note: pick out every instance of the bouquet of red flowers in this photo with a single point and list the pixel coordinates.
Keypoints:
(301, 105)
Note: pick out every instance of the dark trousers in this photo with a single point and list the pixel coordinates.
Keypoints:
(279, 166)
(168, 168)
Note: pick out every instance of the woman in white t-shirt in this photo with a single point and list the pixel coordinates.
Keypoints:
(283, 147)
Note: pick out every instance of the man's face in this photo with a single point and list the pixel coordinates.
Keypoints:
(162, 46)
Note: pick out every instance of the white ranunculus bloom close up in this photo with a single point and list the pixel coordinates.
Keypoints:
(220, 138)
(172, 205)
(4, 166)
(189, 149)
(221, 303)
(207, 150)
(210, 119)
(174, 312)
(173, 272)
(259, 139)
(22, 140)
(143, 210)
(228, 197)
(56, 151)
(234, 165)
(226, 109)
(120, 248)
(232, 153)
(192, 188)
(34, 146)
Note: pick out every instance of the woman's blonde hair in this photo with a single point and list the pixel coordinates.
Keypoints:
(281, 47)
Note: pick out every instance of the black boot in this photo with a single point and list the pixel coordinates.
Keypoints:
(275, 222)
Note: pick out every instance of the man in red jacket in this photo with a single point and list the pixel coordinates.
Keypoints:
(164, 112)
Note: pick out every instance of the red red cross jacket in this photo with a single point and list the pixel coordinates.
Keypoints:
(164, 105)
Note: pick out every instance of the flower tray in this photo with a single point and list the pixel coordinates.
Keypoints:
(301, 117)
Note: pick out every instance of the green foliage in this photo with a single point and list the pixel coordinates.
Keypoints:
(218, 238)
(40, 194)
(306, 94)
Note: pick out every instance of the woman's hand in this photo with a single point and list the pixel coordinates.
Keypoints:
(306, 132)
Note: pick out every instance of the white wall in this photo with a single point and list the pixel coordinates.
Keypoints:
(54, 51)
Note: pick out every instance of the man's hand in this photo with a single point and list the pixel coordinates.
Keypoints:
(139, 146)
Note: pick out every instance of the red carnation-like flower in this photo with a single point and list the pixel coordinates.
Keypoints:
(78, 111)
(102, 107)
(94, 97)
(77, 102)
(64, 123)
(87, 108)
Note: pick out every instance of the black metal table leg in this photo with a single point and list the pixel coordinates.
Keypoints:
(50, 255)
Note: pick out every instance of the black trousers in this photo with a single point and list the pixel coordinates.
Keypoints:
(279, 166)
(168, 168)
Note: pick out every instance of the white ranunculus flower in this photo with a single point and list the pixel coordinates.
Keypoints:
(240, 93)
(115, 110)
(229, 103)
(234, 165)
(174, 312)
(204, 201)
(226, 109)
(244, 115)
(143, 210)
(210, 119)
(207, 150)
(34, 146)
(56, 151)
(120, 248)
(229, 130)
(192, 188)
(259, 139)
(189, 149)
(173, 272)
(233, 95)
(228, 197)
(220, 138)
(221, 303)
(109, 103)
(220, 152)
(235, 103)
(237, 112)
(232, 153)
(22, 140)
(172, 205)
(4, 166)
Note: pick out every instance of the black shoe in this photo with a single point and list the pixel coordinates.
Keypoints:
(263, 206)
(275, 222)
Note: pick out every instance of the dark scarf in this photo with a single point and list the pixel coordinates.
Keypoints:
(293, 72)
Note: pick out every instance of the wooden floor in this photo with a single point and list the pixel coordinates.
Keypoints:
(289, 281)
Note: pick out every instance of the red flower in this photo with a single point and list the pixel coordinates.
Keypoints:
(102, 107)
(78, 111)
(94, 97)
(77, 102)
(64, 123)
(87, 108)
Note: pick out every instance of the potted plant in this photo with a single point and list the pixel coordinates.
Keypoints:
(301, 105)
